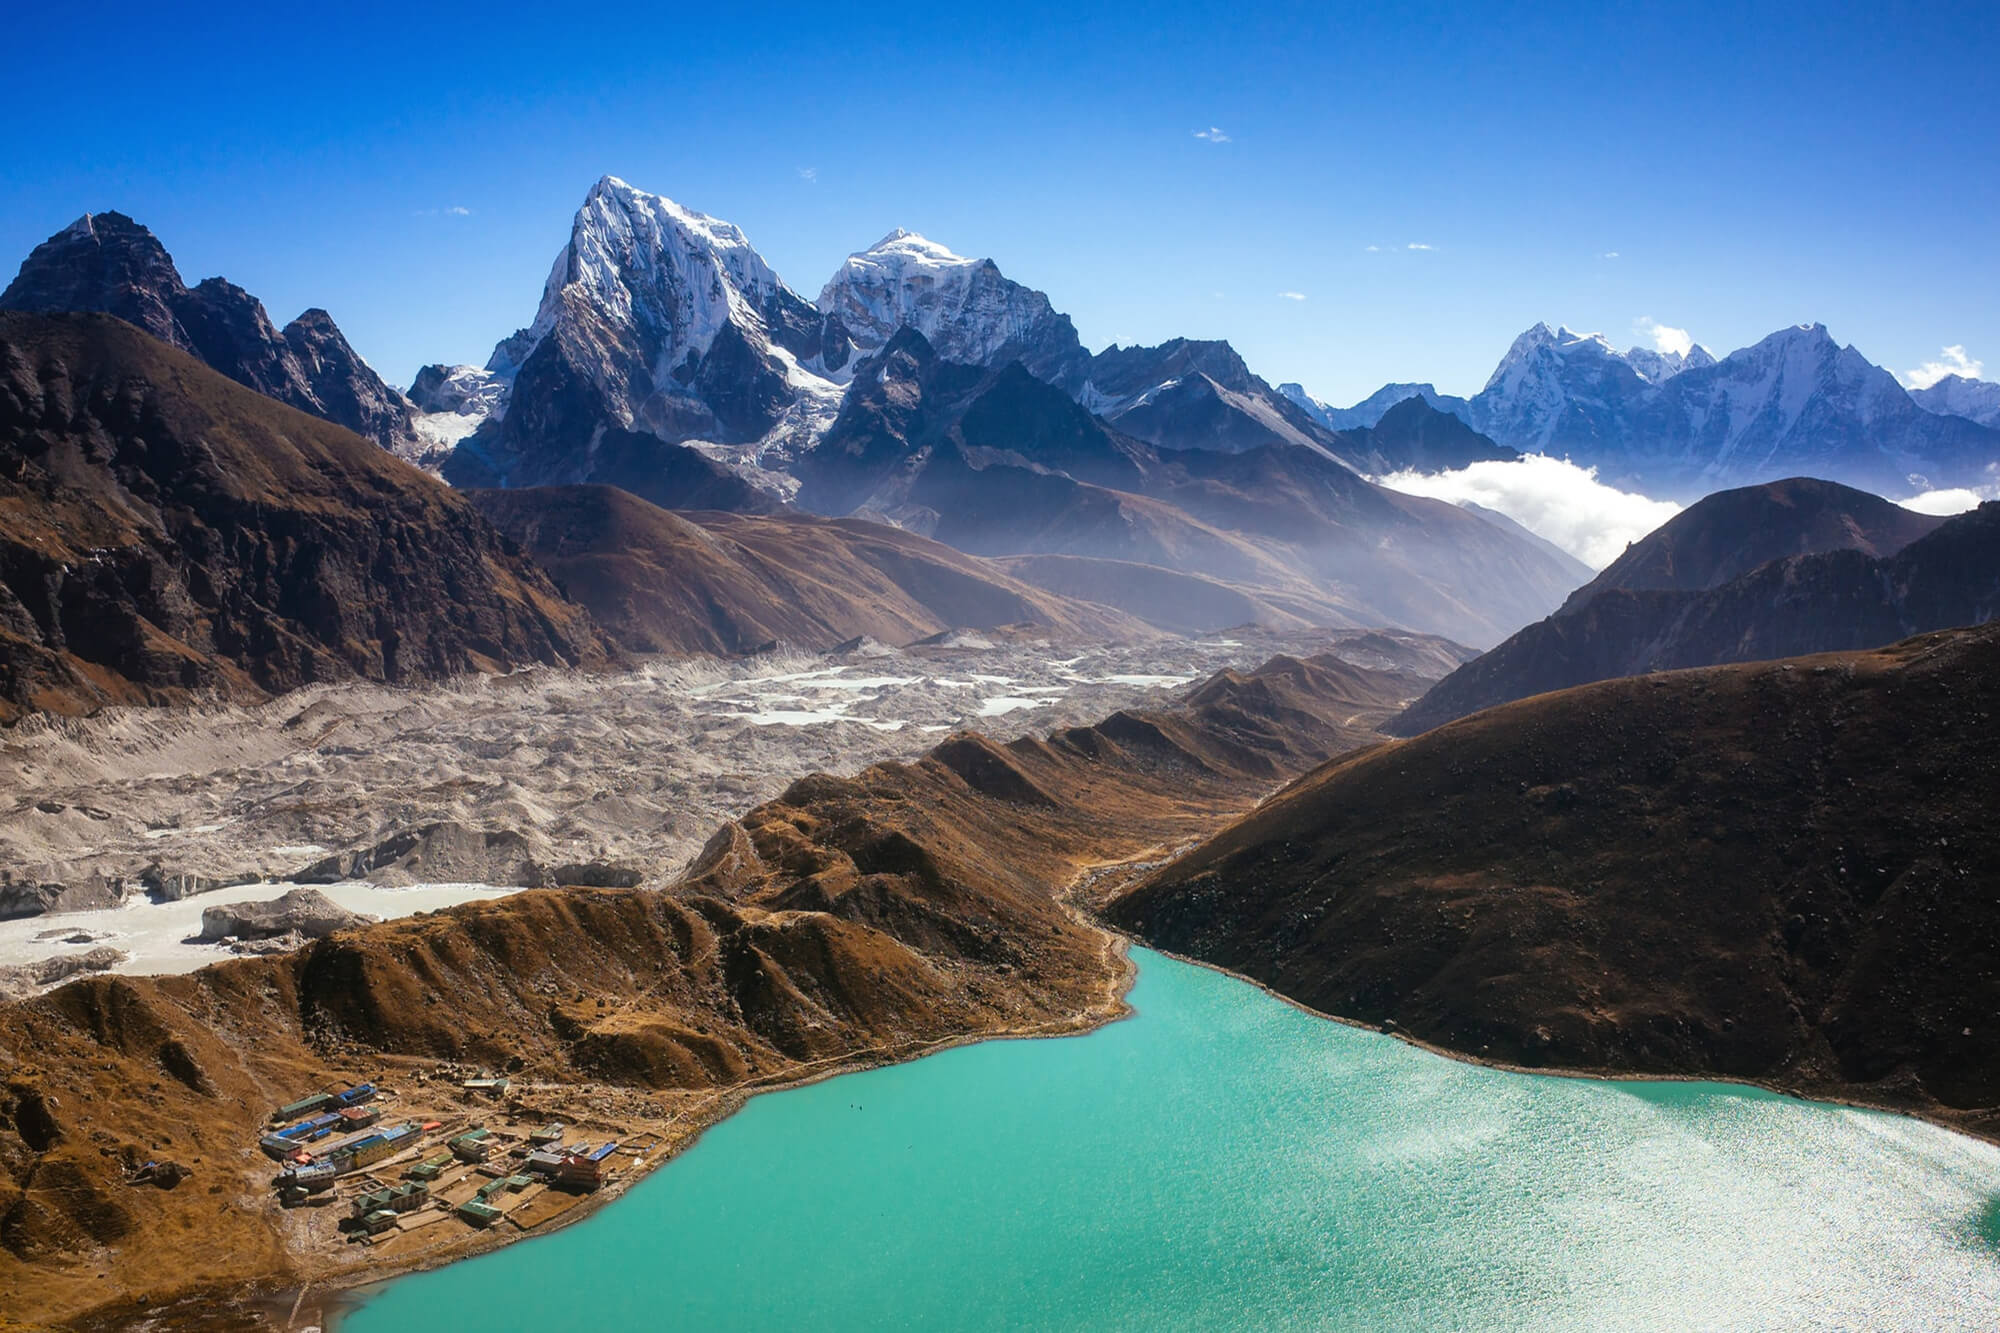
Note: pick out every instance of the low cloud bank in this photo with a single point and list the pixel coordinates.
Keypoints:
(1956, 500)
(1552, 498)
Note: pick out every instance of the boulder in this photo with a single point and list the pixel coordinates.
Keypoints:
(308, 911)
(441, 853)
(23, 980)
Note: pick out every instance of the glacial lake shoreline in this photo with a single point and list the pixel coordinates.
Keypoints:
(383, 1304)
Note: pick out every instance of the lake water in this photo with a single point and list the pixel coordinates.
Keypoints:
(1223, 1160)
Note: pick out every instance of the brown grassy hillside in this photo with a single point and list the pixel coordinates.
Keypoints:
(1781, 872)
(852, 920)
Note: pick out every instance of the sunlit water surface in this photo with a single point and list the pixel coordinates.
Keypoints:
(1223, 1160)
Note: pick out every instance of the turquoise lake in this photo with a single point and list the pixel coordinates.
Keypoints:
(1223, 1160)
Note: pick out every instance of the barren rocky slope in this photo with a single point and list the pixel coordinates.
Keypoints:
(728, 584)
(852, 920)
(1777, 872)
(166, 532)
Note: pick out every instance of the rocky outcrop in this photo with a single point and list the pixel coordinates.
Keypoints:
(34, 897)
(439, 853)
(347, 390)
(451, 853)
(305, 912)
(25, 979)
(167, 532)
(108, 263)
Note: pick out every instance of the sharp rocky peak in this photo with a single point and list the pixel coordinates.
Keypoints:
(108, 263)
(967, 308)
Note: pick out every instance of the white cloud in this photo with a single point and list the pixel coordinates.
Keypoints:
(1951, 361)
(809, 175)
(1212, 135)
(459, 211)
(1373, 249)
(455, 211)
(1609, 254)
(1419, 245)
(1552, 498)
(1955, 500)
(1293, 296)
(1666, 338)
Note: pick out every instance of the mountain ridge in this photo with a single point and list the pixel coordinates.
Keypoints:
(730, 584)
(1838, 596)
(109, 264)
(1678, 424)
(167, 532)
(1003, 464)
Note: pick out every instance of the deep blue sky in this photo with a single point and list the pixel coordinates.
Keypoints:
(1750, 166)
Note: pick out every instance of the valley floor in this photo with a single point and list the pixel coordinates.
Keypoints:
(923, 908)
(631, 770)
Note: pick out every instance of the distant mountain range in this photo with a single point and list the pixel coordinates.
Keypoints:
(1000, 463)
(932, 392)
(1791, 568)
(1961, 396)
(1678, 425)
(729, 584)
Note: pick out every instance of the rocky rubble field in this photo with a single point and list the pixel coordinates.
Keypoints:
(539, 777)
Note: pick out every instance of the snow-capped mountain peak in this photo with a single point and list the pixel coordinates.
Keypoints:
(1567, 340)
(1961, 396)
(910, 249)
(640, 258)
(655, 319)
(966, 308)
(1657, 367)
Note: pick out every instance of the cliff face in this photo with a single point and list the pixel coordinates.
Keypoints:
(164, 531)
(1776, 872)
